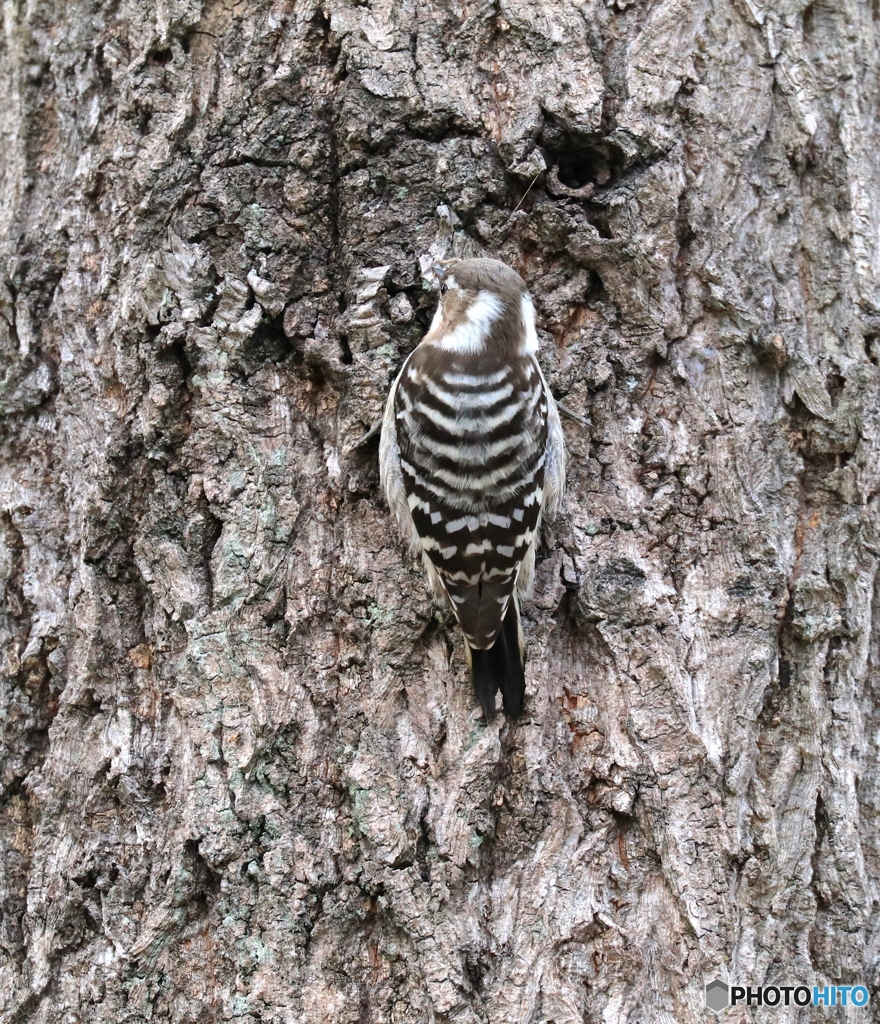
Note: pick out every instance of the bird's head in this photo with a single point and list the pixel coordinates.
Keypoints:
(484, 309)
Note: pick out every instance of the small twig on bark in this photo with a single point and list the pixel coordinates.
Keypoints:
(361, 441)
(529, 189)
(584, 422)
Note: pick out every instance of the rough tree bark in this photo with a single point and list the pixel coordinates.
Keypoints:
(243, 777)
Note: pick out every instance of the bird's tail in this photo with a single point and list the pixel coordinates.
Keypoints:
(501, 667)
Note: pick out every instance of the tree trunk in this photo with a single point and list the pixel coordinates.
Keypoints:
(243, 774)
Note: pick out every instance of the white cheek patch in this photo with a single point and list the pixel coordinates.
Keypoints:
(438, 316)
(469, 337)
(530, 344)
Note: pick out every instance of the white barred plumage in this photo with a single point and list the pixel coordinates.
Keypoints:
(471, 456)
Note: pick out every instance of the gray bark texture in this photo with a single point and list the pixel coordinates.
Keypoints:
(243, 775)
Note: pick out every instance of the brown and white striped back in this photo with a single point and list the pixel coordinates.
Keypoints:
(472, 437)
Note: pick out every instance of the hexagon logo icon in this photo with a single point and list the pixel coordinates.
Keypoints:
(717, 996)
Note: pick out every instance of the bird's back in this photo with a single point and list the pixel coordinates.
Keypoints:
(472, 434)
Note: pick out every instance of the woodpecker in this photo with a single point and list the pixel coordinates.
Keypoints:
(471, 456)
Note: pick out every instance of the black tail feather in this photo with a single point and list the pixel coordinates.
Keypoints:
(501, 668)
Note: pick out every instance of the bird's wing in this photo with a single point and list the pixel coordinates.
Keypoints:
(390, 475)
(553, 486)
(554, 466)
